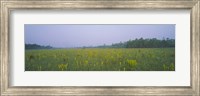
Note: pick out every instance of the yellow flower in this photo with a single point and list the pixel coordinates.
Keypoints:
(132, 63)
(62, 66)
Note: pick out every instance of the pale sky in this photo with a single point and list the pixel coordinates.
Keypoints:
(79, 35)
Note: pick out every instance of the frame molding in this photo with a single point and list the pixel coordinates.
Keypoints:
(6, 6)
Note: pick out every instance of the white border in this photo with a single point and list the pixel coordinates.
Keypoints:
(180, 77)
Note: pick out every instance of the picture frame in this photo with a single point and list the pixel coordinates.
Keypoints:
(7, 6)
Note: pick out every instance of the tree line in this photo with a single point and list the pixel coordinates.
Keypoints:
(150, 43)
(36, 46)
(136, 43)
(143, 43)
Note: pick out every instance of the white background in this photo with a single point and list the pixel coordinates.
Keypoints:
(180, 77)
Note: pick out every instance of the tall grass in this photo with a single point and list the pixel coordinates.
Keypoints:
(107, 59)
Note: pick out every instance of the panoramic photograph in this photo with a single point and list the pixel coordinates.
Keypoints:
(99, 47)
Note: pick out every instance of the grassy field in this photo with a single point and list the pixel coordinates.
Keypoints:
(107, 59)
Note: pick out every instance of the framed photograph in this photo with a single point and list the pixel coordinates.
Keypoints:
(100, 47)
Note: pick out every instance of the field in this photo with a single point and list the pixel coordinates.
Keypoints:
(101, 59)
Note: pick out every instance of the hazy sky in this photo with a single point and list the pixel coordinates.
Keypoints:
(78, 35)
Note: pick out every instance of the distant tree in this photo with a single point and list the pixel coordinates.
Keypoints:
(36, 46)
(150, 43)
(140, 43)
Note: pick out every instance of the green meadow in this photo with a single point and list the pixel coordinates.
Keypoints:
(100, 59)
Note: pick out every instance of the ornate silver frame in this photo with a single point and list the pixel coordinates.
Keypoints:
(6, 6)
